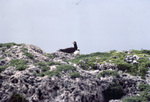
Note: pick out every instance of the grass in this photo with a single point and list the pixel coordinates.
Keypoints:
(8, 45)
(144, 94)
(87, 62)
(75, 75)
(2, 68)
(24, 49)
(108, 73)
(19, 64)
(17, 98)
(57, 72)
(29, 55)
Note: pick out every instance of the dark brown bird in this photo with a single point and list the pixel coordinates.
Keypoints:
(70, 49)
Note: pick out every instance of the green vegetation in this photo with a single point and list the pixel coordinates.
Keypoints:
(8, 45)
(45, 65)
(19, 64)
(29, 55)
(144, 95)
(2, 68)
(1, 58)
(114, 91)
(75, 75)
(57, 72)
(49, 55)
(17, 98)
(24, 49)
(87, 62)
(108, 73)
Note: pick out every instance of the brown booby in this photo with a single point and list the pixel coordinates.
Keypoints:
(70, 49)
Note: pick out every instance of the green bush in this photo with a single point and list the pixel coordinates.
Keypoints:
(58, 71)
(17, 98)
(143, 87)
(45, 68)
(74, 75)
(8, 45)
(114, 91)
(144, 95)
(108, 73)
(40, 64)
(146, 52)
(124, 66)
(50, 73)
(65, 68)
(19, 64)
(136, 52)
(133, 99)
(53, 63)
(24, 49)
(29, 55)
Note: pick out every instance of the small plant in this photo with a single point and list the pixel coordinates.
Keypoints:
(29, 55)
(53, 63)
(146, 52)
(45, 68)
(17, 98)
(124, 66)
(144, 95)
(133, 99)
(40, 64)
(108, 73)
(74, 75)
(8, 45)
(49, 55)
(65, 68)
(24, 49)
(19, 64)
(143, 87)
(58, 71)
(2, 68)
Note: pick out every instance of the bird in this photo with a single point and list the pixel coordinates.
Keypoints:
(70, 49)
(77, 52)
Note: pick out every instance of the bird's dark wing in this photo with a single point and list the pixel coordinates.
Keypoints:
(68, 50)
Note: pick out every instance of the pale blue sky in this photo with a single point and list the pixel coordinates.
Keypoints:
(96, 25)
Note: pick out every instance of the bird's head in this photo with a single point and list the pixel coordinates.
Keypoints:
(74, 42)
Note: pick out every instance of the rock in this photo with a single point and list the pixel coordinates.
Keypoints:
(88, 87)
(131, 59)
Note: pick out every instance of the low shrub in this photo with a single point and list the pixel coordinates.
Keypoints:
(124, 66)
(144, 95)
(146, 52)
(2, 68)
(65, 68)
(133, 99)
(17, 98)
(53, 63)
(24, 49)
(143, 87)
(29, 55)
(74, 75)
(8, 45)
(40, 64)
(58, 71)
(19, 64)
(108, 73)
(45, 68)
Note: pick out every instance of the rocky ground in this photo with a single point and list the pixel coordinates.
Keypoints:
(28, 74)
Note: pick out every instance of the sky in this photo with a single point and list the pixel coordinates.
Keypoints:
(96, 25)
